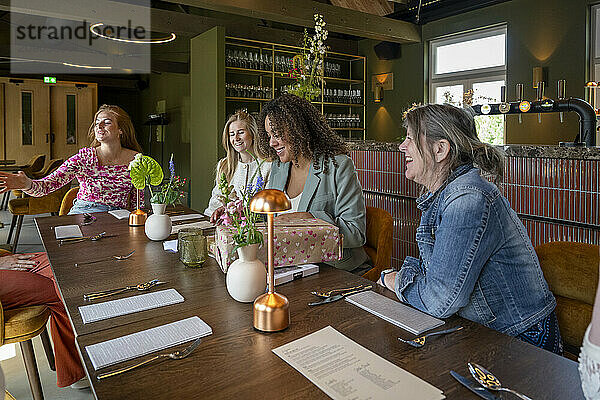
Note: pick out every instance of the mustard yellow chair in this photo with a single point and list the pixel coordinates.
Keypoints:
(571, 270)
(380, 226)
(35, 164)
(32, 206)
(48, 169)
(8, 396)
(20, 325)
(67, 201)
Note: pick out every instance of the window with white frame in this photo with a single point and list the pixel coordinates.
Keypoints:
(471, 64)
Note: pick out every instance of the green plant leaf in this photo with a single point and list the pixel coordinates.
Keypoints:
(146, 169)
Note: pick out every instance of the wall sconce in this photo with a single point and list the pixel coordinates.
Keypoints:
(378, 95)
(381, 82)
(538, 76)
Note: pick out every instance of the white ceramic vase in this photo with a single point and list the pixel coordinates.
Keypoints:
(158, 225)
(246, 276)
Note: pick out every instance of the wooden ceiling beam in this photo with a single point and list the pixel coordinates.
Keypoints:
(376, 7)
(300, 13)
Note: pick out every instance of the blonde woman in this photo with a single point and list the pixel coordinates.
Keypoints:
(239, 165)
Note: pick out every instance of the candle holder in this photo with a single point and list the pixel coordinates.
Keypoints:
(139, 216)
(271, 310)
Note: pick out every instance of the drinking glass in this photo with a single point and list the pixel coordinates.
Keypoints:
(191, 245)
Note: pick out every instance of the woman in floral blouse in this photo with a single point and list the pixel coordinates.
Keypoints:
(104, 181)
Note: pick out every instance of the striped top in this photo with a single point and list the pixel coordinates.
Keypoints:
(105, 184)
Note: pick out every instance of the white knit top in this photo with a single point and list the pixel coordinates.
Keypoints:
(241, 177)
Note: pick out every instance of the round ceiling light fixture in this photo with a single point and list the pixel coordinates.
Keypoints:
(97, 32)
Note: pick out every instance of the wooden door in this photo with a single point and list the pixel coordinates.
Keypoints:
(26, 119)
(73, 107)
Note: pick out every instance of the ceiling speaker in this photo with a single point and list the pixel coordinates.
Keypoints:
(387, 50)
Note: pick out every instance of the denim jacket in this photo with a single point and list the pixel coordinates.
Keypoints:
(476, 258)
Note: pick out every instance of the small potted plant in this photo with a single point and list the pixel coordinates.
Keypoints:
(145, 171)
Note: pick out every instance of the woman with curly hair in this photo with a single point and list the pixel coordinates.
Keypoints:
(239, 165)
(315, 172)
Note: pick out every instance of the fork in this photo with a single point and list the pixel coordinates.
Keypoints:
(330, 292)
(81, 239)
(420, 341)
(125, 257)
(176, 355)
(105, 293)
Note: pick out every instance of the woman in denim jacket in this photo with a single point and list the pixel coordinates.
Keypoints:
(476, 258)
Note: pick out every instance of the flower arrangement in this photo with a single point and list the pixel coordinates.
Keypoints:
(237, 214)
(146, 171)
(307, 67)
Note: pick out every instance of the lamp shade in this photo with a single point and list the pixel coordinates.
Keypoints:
(269, 201)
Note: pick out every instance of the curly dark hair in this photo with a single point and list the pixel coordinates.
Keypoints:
(304, 129)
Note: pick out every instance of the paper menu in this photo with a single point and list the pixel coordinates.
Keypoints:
(145, 342)
(120, 214)
(345, 370)
(67, 231)
(394, 312)
(128, 305)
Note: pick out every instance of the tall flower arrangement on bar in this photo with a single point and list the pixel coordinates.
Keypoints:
(307, 66)
(237, 215)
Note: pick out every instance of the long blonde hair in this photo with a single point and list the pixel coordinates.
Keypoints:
(124, 123)
(229, 164)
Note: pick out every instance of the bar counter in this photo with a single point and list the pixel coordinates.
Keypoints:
(554, 190)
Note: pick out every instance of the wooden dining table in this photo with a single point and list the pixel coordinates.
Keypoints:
(237, 361)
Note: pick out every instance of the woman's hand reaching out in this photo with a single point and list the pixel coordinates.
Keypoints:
(10, 181)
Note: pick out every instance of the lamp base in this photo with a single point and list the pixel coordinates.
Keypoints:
(271, 312)
(137, 218)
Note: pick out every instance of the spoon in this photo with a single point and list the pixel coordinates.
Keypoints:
(420, 341)
(125, 257)
(77, 240)
(489, 381)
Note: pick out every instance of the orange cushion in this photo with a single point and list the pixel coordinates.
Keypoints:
(24, 323)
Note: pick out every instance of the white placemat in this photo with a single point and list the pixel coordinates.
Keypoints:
(395, 312)
(67, 231)
(128, 305)
(145, 342)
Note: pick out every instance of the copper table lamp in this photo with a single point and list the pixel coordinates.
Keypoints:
(271, 310)
(137, 217)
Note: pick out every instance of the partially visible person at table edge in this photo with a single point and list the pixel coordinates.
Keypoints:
(476, 258)
(240, 142)
(589, 357)
(27, 280)
(315, 172)
(104, 181)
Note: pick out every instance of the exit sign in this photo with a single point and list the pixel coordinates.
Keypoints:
(49, 79)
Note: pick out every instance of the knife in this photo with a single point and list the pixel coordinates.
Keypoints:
(474, 386)
(337, 297)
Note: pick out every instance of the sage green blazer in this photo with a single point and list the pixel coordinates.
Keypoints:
(335, 197)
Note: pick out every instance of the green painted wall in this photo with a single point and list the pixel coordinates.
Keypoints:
(547, 33)
(207, 105)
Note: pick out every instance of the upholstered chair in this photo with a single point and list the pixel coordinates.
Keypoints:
(571, 270)
(380, 226)
(20, 325)
(67, 201)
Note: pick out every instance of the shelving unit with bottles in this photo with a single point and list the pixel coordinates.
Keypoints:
(256, 72)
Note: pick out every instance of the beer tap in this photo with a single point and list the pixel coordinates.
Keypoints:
(540, 97)
(520, 99)
(562, 85)
(504, 106)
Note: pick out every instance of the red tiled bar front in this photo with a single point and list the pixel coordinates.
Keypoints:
(555, 191)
